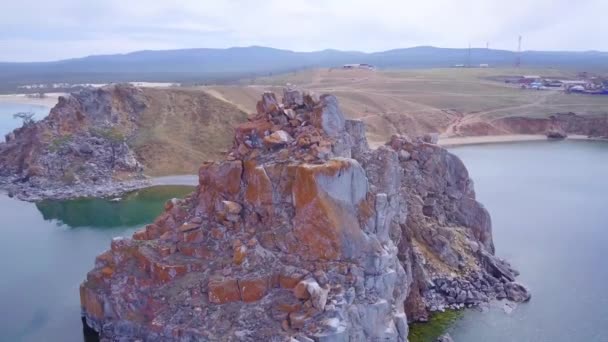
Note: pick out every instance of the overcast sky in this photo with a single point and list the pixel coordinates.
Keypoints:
(36, 30)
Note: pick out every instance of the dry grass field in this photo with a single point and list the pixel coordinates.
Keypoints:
(420, 101)
(181, 128)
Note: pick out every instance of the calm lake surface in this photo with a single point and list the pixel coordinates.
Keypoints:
(549, 205)
(46, 250)
(8, 123)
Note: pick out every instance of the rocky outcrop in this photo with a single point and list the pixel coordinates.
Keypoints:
(79, 149)
(99, 142)
(303, 233)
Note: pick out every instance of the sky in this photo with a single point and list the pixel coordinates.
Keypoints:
(35, 30)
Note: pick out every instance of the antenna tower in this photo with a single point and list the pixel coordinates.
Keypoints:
(518, 58)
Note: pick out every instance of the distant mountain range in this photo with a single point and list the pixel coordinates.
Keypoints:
(196, 65)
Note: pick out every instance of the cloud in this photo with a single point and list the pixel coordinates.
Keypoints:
(33, 30)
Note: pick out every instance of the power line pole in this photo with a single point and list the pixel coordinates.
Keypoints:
(469, 56)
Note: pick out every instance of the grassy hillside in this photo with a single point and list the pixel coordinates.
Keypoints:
(182, 128)
(427, 100)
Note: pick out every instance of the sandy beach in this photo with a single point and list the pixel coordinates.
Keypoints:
(49, 101)
(493, 139)
(489, 139)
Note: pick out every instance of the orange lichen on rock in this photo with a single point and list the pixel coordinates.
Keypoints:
(253, 289)
(90, 302)
(259, 188)
(325, 222)
(224, 291)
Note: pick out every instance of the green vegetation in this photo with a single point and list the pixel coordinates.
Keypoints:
(435, 327)
(27, 118)
(60, 143)
(114, 136)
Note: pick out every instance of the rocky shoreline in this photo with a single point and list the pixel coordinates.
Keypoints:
(304, 233)
(30, 193)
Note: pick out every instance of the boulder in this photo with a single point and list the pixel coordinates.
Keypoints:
(292, 97)
(224, 291)
(556, 134)
(278, 138)
(328, 116)
(268, 104)
(517, 292)
(444, 338)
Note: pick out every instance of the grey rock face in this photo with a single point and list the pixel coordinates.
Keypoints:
(82, 141)
(292, 97)
(329, 117)
(517, 292)
(356, 129)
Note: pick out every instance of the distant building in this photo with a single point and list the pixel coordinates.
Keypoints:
(364, 66)
(553, 83)
(484, 65)
(527, 79)
(567, 83)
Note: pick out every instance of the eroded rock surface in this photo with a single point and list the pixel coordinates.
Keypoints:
(303, 234)
(80, 148)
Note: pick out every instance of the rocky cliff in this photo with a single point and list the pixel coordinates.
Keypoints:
(593, 126)
(101, 141)
(303, 233)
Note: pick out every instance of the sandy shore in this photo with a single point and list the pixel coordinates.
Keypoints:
(49, 101)
(489, 139)
(493, 139)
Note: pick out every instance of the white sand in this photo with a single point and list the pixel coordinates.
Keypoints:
(492, 139)
(49, 101)
(489, 139)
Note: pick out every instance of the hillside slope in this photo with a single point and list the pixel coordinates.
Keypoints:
(180, 128)
(451, 101)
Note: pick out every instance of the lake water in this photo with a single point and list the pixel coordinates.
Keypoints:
(549, 205)
(47, 248)
(8, 123)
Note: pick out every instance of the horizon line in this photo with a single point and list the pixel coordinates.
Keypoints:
(294, 51)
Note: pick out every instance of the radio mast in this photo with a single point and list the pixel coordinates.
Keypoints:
(518, 58)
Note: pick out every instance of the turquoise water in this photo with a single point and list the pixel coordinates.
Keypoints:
(46, 249)
(8, 123)
(549, 207)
